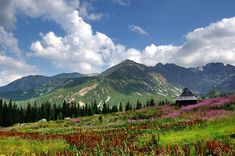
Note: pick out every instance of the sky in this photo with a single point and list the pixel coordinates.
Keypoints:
(48, 37)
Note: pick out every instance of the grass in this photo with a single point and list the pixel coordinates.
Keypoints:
(212, 130)
(55, 127)
(218, 129)
(19, 146)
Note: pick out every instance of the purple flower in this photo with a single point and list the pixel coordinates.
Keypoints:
(208, 102)
(171, 115)
(214, 102)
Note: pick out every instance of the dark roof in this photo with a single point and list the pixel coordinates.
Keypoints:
(186, 95)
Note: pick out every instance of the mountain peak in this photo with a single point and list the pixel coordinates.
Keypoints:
(214, 64)
(127, 61)
(124, 65)
(68, 75)
(213, 67)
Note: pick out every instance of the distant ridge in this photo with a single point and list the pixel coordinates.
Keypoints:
(124, 81)
(213, 76)
(68, 75)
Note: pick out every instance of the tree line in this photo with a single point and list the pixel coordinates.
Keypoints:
(10, 113)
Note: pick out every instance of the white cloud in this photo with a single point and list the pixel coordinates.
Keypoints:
(122, 2)
(214, 43)
(159, 54)
(134, 54)
(85, 9)
(86, 51)
(12, 69)
(7, 18)
(9, 42)
(81, 49)
(137, 29)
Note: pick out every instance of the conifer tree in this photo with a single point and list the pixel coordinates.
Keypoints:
(105, 108)
(114, 108)
(147, 103)
(151, 103)
(128, 106)
(120, 107)
(95, 108)
(138, 104)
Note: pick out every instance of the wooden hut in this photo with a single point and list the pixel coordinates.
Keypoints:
(186, 98)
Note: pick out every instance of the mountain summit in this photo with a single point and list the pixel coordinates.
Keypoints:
(124, 66)
(129, 76)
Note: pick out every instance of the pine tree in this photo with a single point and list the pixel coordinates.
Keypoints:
(138, 104)
(95, 108)
(65, 109)
(60, 116)
(42, 112)
(21, 112)
(28, 113)
(54, 112)
(89, 111)
(48, 111)
(5, 118)
(147, 103)
(109, 110)
(151, 103)
(120, 107)
(34, 112)
(104, 109)
(86, 110)
(128, 106)
(1, 108)
(114, 108)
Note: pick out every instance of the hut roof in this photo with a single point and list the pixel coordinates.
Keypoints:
(186, 95)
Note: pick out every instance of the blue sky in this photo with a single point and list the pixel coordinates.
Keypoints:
(88, 36)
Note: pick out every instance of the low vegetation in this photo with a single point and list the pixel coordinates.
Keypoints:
(206, 128)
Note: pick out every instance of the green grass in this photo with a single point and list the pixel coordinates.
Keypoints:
(19, 146)
(55, 127)
(218, 129)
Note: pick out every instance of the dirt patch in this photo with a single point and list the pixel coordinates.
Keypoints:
(86, 89)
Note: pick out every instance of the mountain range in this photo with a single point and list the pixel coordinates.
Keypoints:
(213, 76)
(127, 81)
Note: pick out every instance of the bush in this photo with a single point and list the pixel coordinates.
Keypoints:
(100, 119)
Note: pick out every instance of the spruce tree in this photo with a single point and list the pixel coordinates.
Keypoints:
(147, 103)
(104, 109)
(60, 116)
(152, 103)
(95, 108)
(114, 108)
(120, 107)
(138, 104)
(28, 114)
(1, 108)
(128, 106)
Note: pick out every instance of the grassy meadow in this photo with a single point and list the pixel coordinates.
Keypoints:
(207, 128)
